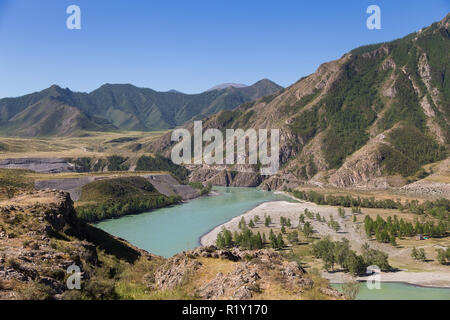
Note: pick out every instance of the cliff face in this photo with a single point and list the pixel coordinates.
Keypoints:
(41, 237)
(369, 119)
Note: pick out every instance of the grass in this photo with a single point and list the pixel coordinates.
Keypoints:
(13, 181)
(90, 144)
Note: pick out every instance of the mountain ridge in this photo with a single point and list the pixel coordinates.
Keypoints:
(127, 107)
(372, 118)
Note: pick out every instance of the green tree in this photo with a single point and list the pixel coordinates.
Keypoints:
(301, 218)
(242, 224)
(280, 241)
(307, 229)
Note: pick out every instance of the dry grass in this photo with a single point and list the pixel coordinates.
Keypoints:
(92, 144)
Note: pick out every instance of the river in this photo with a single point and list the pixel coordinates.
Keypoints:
(399, 291)
(170, 230)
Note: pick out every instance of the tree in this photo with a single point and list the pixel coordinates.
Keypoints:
(443, 256)
(288, 223)
(220, 243)
(375, 257)
(267, 221)
(256, 218)
(393, 241)
(333, 224)
(418, 254)
(341, 251)
(283, 229)
(341, 212)
(280, 242)
(251, 224)
(354, 218)
(351, 289)
(301, 218)
(293, 236)
(242, 224)
(354, 263)
(368, 226)
(307, 229)
(228, 238)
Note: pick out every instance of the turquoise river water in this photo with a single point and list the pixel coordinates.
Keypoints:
(400, 291)
(170, 230)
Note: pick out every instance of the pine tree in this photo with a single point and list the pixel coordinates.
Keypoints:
(393, 241)
(301, 218)
(280, 242)
(242, 224)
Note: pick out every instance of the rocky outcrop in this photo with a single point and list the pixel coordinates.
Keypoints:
(249, 273)
(227, 177)
(41, 236)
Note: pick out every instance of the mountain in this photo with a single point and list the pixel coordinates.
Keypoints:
(372, 118)
(227, 85)
(117, 106)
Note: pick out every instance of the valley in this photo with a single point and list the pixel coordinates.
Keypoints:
(363, 180)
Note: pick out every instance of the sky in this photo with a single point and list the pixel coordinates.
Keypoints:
(188, 45)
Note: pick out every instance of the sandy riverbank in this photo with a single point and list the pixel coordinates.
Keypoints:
(276, 209)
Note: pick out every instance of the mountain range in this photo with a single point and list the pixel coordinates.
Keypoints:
(58, 111)
(373, 117)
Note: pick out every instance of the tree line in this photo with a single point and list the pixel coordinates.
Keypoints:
(387, 230)
(339, 253)
(439, 208)
(117, 208)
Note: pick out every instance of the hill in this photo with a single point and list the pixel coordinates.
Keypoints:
(372, 118)
(112, 198)
(57, 111)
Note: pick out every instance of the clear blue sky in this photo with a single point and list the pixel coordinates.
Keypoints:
(188, 45)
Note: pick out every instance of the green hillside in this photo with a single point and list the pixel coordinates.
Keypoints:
(381, 109)
(121, 106)
(116, 197)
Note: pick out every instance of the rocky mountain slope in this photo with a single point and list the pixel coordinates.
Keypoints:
(57, 111)
(41, 236)
(372, 118)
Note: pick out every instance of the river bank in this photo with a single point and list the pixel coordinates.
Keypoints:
(438, 276)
